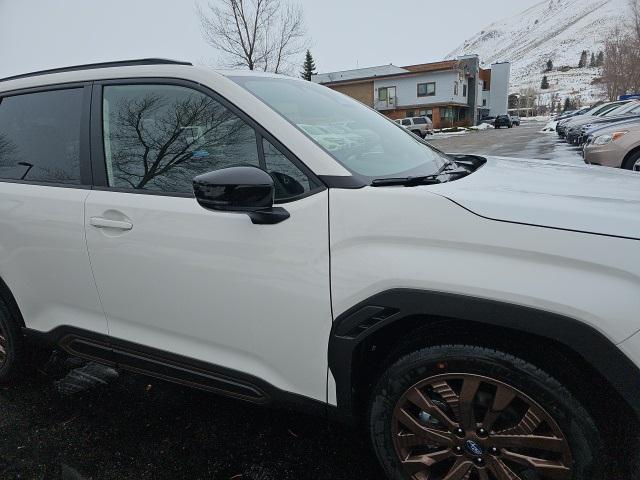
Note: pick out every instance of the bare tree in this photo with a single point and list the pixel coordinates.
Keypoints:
(621, 69)
(255, 34)
(164, 142)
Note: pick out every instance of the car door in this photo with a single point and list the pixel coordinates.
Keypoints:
(45, 177)
(249, 300)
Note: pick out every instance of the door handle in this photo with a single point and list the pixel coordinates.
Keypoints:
(100, 222)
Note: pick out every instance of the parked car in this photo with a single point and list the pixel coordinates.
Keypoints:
(564, 125)
(576, 134)
(192, 225)
(503, 121)
(421, 126)
(618, 146)
(572, 113)
(594, 131)
(515, 120)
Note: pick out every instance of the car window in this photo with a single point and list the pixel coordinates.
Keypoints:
(288, 179)
(406, 123)
(159, 137)
(420, 121)
(40, 136)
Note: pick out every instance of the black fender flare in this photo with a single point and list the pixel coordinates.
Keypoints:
(354, 326)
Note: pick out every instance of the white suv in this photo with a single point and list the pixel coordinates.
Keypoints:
(421, 126)
(182, 223)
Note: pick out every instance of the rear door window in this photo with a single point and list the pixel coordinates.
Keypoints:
(40, 136)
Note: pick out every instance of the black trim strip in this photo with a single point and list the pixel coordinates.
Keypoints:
(344, 183)
(94, 66)
(432, 306)
(172, 367)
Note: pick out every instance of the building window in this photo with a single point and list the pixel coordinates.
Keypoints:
(455, 88)
(427, 113)
(464, 90)
(426, 89)
(410, 113)
(383, 94)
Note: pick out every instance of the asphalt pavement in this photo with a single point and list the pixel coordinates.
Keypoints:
(526, 141)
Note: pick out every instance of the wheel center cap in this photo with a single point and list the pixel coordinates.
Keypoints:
(473, 448)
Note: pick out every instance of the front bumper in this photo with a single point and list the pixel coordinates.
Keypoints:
(606, 155)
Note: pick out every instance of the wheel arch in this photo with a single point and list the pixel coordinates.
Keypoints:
(6, 297)
(382, 328)
(630, 155)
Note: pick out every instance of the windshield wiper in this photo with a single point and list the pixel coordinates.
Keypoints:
(406, 181)
(433, 179)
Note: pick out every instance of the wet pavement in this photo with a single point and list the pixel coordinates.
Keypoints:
(526, 141)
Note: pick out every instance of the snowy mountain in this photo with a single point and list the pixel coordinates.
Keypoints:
(557, 30)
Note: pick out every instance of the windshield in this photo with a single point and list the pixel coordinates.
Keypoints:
(362, 140)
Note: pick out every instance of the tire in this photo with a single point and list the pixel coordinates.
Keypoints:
(12, 347)
(633, 162)
(537, 405)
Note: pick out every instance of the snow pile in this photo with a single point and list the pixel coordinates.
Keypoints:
(545, 118)
(556, 30)
(550, 127)
(482, 126)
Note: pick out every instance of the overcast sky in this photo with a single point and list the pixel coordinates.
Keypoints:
(345, 34)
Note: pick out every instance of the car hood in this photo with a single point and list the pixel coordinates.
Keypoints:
(589, 199)
(614, 126)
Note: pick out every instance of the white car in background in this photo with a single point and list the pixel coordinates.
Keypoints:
(421, 126)
(474, 314)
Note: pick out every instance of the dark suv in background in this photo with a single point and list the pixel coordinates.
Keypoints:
(503, 121)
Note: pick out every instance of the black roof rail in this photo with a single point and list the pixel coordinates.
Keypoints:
(92, 66)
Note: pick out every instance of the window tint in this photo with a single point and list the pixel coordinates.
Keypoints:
(159, 137)
(406, 123)
(420, 121)
(288, 179)
(40, 136)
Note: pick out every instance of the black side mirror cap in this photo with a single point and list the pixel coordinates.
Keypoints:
(240, 189)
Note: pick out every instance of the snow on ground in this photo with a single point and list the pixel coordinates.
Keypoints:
(482, 126)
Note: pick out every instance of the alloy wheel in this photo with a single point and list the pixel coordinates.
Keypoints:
(471, 427)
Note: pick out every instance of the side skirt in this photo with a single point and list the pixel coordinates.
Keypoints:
(173, 368)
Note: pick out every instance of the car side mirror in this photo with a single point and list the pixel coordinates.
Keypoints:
(247, 190)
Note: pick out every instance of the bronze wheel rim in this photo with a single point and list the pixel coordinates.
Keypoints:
(471, 427)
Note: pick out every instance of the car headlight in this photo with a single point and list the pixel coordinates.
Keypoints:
(607, 139)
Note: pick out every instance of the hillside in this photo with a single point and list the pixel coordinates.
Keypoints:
(553, 29)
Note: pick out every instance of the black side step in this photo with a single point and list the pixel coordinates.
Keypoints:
(156, 363)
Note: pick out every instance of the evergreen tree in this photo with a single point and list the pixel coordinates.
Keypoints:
(308, 67)
(592, 63)
(549, 65)
(567, 104)
(583, 59)
(545, 83)
(600, 59)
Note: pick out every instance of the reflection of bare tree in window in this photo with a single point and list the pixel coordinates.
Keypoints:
(163, 142)
(7, 151)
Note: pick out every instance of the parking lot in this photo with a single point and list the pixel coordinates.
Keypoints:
(525, 141)
(64, 425)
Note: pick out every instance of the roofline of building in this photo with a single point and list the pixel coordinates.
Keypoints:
(382, 77)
